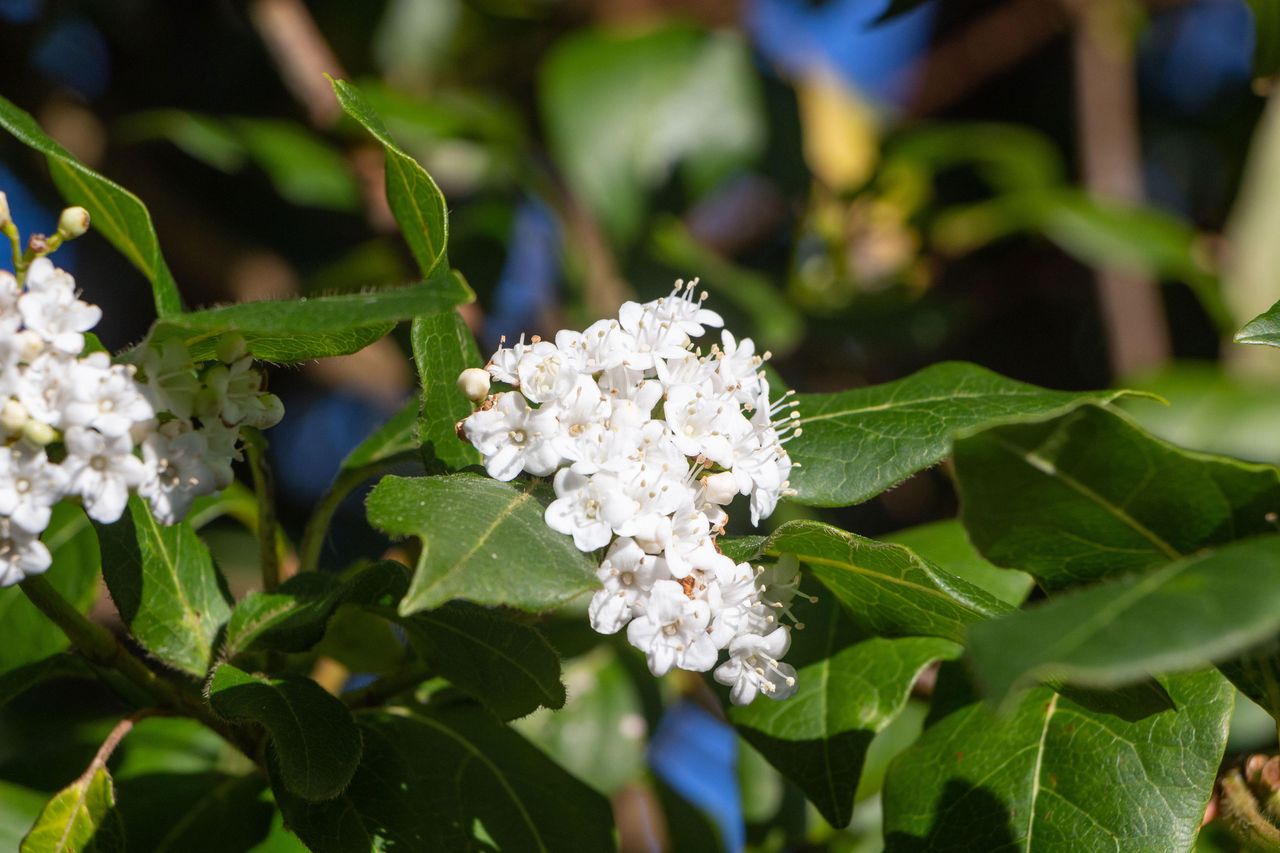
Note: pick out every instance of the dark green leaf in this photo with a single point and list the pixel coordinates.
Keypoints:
(315, 740)
(1266, 29)
(1263, 329)
(80, 818)
(443, 347)
(503, 663)
(688, 827)
(1089, 495)
(888, 588)
(165, 586)
(115, 212)
(194, 812)
(293, 617)
(945, 544)
(1053, 775)
(1179, 617)
(19, 680)
(29, 636)
(398, 435)
(856, 444)
(484, 541)
(819, 737)
(1257, 675)
(440, 779)
(294, 330)
(415, 200)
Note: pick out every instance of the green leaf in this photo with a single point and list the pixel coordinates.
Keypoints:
(483, 541)
(856, 444)
(116, 213)
(19, 680)
(315, 741)
(1090, 495)
(293, 618)
(819, 737)
(1263, 329)
(945, 544)
(194, 812)
(29, 636)
(414, 199)
(19, 808)
(439, 779)
(303, 169)
(1179, 617)
(165, 586)
(293, 330)
(1054, 775)
(398, 435)
(505, 664)
(887, 588)
(82, 817)
(443, 347)
(1266, 28)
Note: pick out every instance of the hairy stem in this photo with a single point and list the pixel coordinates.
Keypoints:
(263, 486)
(313, 535)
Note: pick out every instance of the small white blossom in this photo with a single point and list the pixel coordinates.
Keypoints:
(51, 309)
(753, 667)
(176, 470)
(29, 486)
(673, 630)
(513, 437)
(22, 554)
(102, 470)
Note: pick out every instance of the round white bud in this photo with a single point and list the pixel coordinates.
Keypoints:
(39, 432)
(13, 416)
(73, 222)
(720, 488)
(474, 384)
(231, 348)
(4, 210)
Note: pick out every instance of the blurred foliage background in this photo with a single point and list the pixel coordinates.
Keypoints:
(1076, 193)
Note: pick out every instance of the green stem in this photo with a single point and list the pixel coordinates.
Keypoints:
(313, 535)
(105, 649)
(256, 444)
(10, 230)
(387, 687)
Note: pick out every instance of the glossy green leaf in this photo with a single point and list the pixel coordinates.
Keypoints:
(29, 636)
(415, 200)
(293, 617)
(856, 444)
(438, 779)
(443, 347)
(398, 435)
(1090, 495)
(80, 818)
(207, 812)
(1263, 329)
(887, 588)
(165, 586)
(293, 330)
(504, 663)
(945, 544)
(20, 679)
(315, 742)
(115, 212)
(1054, 775)
(484, 541)
(1201, 609)
(818, 738)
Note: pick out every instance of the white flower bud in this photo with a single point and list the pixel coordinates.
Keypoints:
(232, 348)
(39, 433)
(474, 384)
(720, 488)
(5, 218)
(73, 222)
(13, 416)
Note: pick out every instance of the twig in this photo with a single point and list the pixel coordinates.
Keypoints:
(302, 54)
(268, 541)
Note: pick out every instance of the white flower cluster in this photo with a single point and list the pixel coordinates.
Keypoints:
(649, 439)
(79, 426)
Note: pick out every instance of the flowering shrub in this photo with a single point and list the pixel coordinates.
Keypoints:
(441, 694)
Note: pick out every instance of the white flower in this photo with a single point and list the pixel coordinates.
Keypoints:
(104, 396)
(222, 442)
(704, 423)
(233, 394)
(171, 384)
(544, 373)
(45, 388)
(102, 470)
(29, 486)
(22, 554)
(513, 437)
(654, 335)
(581, 414)
(176, 470)
(50, 308)
(628, 574)
(588, 507)
(753, 667)
(673, 630)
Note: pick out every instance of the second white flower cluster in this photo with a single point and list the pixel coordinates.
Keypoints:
(649, 439)
(79, 426)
